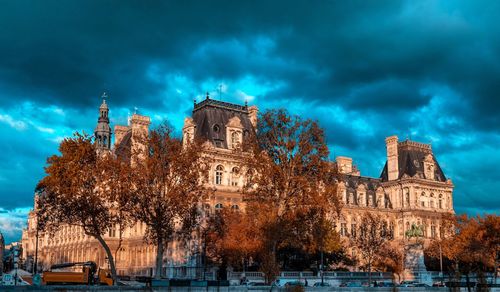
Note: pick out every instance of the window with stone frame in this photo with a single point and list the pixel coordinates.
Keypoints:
(235, 176)
(387, 201)
(371, 201)
(235, 139)
(219, 172)
(343, 229)
(391, 229)
(433, 230)
(351, 198)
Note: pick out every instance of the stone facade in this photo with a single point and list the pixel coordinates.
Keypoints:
(411, 189)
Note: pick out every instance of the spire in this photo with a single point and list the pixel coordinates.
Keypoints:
(103, 130)
(103, 104)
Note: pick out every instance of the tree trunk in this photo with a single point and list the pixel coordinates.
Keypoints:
(159, 258)
(110, 257)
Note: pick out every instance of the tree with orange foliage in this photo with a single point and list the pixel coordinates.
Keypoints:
(168, 187)
(372, 235)
(474, 245)
(389, 259)
(84, 188)
(290, 181)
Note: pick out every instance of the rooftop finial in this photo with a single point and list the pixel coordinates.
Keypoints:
(208, 95)
(104, 96)
(135, 110)
(246, 102)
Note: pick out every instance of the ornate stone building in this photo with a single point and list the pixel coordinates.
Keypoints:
(411, 189)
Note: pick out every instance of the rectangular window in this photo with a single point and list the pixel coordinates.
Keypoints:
(353, 230)
(343, 229)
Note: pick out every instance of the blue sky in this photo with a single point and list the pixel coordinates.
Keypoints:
(429, 70)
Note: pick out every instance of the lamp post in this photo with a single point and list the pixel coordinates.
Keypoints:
(441, 261)
(35, 264)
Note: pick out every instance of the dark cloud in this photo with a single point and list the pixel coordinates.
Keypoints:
(364, 69)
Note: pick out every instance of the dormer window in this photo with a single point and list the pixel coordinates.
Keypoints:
(235, 139)
(216, 128)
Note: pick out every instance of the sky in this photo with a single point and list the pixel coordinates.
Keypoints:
(365, 70)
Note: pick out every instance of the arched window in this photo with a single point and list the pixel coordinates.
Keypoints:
(219, 170)
(371, 201)
(440, 202)
(216, 128)
(235, 207)
(235, 174)
(207, 209)
(218, 206)
(361, 199)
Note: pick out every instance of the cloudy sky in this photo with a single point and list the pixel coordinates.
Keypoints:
(428, 70)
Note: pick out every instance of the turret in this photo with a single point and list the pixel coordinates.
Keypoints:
(103, 130)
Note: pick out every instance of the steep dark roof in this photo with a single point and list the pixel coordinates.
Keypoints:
(210, 113)
(411, 156)
(123, 150)
(352, 181)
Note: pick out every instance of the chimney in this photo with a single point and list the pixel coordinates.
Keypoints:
(140, 131)
(344, 164)
(391, 144)
(120, 132)
(139, 125)
(252, 115)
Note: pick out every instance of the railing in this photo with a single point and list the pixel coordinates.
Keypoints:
(309, 274)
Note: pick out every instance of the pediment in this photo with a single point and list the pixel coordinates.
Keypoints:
(234, 122)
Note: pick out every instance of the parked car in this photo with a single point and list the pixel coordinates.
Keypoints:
(351, 284)
(438, 284)
(385, 284)
(407, 284)
(294, 284)
(254, 284)
(7, 280)
(319, 284)
(421, 285)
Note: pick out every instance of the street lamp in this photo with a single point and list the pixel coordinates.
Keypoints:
(35, 264)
